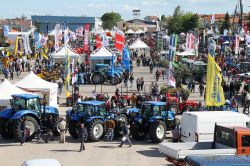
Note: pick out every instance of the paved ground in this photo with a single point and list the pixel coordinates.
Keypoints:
(96, 154)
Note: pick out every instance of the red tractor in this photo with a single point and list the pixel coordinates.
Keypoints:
(179, 108)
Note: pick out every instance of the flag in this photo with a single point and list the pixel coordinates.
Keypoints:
(214, 90)
(57, 37)
(237, 44)
(67, 74)
(119, 40)
(98, 41)
(18, 50)
(79, 32)
(212, 19)
(126, 59)
(171, 79)
(6, 30)
(27, 49)
(211, 47)
(44, 55)
(172, 47)
(74, 78)
(86, 37)
(105, 40)
(190, 42)
(113, 65)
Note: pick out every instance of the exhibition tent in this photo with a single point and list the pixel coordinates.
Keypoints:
(33, 83)
(7, 89)
(101, 53)
(130, 31)
(63, 52)
(139, 44)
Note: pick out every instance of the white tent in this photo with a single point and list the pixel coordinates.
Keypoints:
(130, 31)
(33, 83)
(63, 52)
(101, 53)
(139, 44)
(7, 89)
(185, 53)
(139, 31)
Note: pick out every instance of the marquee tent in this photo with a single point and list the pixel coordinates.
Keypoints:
(7, 89)
(63, 52)
(139, 44)
(33, 83)
(101, 53)
(130, 31)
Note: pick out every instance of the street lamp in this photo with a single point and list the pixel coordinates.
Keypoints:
(136, 14)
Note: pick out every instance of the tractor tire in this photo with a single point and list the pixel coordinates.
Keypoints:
(95, 130)
(187, 109)
(73, 129)
(188, 79)
(157, 131)
(31, 123)
(114, 80)
(97, 79)
(56, 131)
(123, 118)
(6, 130)
(138, 132)
(175, 109)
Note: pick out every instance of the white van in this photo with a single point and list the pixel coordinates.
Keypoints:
(199, 126)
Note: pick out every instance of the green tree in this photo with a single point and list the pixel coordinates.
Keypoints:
(175, 22)
(109, 20)
(226, 24)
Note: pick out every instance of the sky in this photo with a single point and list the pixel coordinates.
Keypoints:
(17, 8)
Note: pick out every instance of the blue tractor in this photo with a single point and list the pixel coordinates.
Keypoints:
(93, 114)
(154, 119)
(103, 73)
(26, 106)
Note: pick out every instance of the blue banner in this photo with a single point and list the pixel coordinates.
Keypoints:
(172, 47)
(126, 59)
(113, 66)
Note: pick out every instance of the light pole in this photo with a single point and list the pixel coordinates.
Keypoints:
(136, 14)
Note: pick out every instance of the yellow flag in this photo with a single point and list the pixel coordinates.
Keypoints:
(67, 80)
(214, 90)
(44, 56)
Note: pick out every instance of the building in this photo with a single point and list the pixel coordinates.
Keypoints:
(137, 24)
(45, 24)
(151, 18)
(18, 24)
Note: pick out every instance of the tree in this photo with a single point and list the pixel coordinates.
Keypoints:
(109, 20)
(183, 22)
(226, 24)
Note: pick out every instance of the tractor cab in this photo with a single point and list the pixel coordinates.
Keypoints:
(26, 102)
(102, 67)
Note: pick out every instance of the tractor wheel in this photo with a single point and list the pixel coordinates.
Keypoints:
(188, 79)
(31, 123)
(97, 79)
(188, 109)
(73, 129)
(157, 131)
(174, 108)
(138, 132)
(123, 118)
(114, 80)
(95, 130)
(6, 130)
(204, 78)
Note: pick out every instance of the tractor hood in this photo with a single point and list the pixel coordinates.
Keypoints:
(6, 113)
(51, 110)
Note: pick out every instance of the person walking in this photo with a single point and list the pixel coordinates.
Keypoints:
(49, 125)
(24, 131)
(131, 80)
(83, 135)
(125, 137)
(138, 84)
(62, 128)
(133, 100)
(142, 83)
(201, 89)
(193, 86)
(60, 86)
(110, 124)
(157, 75)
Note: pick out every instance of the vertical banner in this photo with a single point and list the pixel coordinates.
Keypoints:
(126, 59)
(171, 79)
(57, 37)
(214, 90)
(67, 80)
(113, 65)
(18, 50)
(172, 47)
(98, 41)
(6, 30)
(237, 44)
(119, 40)
(27, 49)
(86, 37)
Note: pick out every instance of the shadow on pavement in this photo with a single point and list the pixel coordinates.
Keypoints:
(151, 153)
(107, 147)
(64, 150)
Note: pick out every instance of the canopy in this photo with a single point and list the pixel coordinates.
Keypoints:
(101, 53)
(130, 31)
(185, 53)
(7, 89)
(139, 44)
(63, 52)
(139, 31)
(33, 83)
